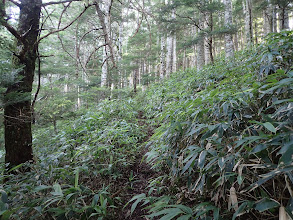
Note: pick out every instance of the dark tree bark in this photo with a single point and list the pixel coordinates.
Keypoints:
(135, 81)
(17, 111)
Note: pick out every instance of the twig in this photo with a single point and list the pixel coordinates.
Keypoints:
(64, 28)
(61, 2)
(39, 83)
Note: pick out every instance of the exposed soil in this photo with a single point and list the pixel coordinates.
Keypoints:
(140, 174)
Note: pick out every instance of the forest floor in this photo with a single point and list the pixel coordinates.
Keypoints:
(141, 173)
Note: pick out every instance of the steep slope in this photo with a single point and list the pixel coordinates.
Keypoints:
(225, 140)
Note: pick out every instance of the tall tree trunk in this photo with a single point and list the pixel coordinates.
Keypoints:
(120, 52)
(208, 40)
(104, 18)
(162, 57)
(200, 46)
(247, 7)
(268, 18)
(17, 114)
(236, 42)
(135, 72)
(104, 68)
(256, 32)
(229, 46)
(274, 19)
(174, 53)
(174, 46)
(169, 62)
(194, 48)
(284, 19)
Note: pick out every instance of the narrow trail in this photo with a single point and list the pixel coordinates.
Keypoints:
(141, 173)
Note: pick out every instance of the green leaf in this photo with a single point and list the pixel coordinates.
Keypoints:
(58, 190)
(287, 157)
(76, 178)
(42, 187)
(188, 164)
(285, 148)
(14, 168)
(172, 211)
(270, 127)
(239, 210)
(184, 217)
(221, 162)
(258, 148)
(266, 204)
(171, 214)
(4, 197)
(201, 159)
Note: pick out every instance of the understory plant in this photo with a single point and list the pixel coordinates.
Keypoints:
(78, 170)
(225, 140)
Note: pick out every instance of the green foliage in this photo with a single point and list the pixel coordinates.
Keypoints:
(7, 74)
(226, 126)
(70, 179)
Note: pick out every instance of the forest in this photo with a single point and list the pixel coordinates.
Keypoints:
(146, 109)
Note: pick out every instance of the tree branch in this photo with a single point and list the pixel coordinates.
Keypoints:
(18, 4)
(13, 31)
(61, 2)
(105, 31)
(64, 28)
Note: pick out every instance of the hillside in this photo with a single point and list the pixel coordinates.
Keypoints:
(210, 144)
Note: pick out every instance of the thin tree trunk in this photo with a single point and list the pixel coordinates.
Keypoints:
(247, 6)
(229, 47)
(200, 46)
(274, 19)
(104, 18)
(174, 53)
(104, 69)
(169, 45)
(207, 39)
(284, 19)
(135, 80)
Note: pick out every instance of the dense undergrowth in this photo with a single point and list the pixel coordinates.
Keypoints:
(77, 171)
(222, 147)
(225, 141)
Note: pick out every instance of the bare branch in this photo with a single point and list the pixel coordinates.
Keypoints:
(194, 22)
(138, 27)
(61, 2)
(64, 28)
(58, 35)
(13, 31)
(95, 29)
(106, 60)
(39, 84)
(91, 54)
(18, 4)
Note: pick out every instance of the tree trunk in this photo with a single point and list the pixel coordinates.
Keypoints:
(169, 55)
(104, 18)
(104, 68)
(208, 40)
(174, 58)
(274, 19)
(247, 7)
(229, 46)
(135, 80)
(200, 47)
(17, 114)
(284, 19)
